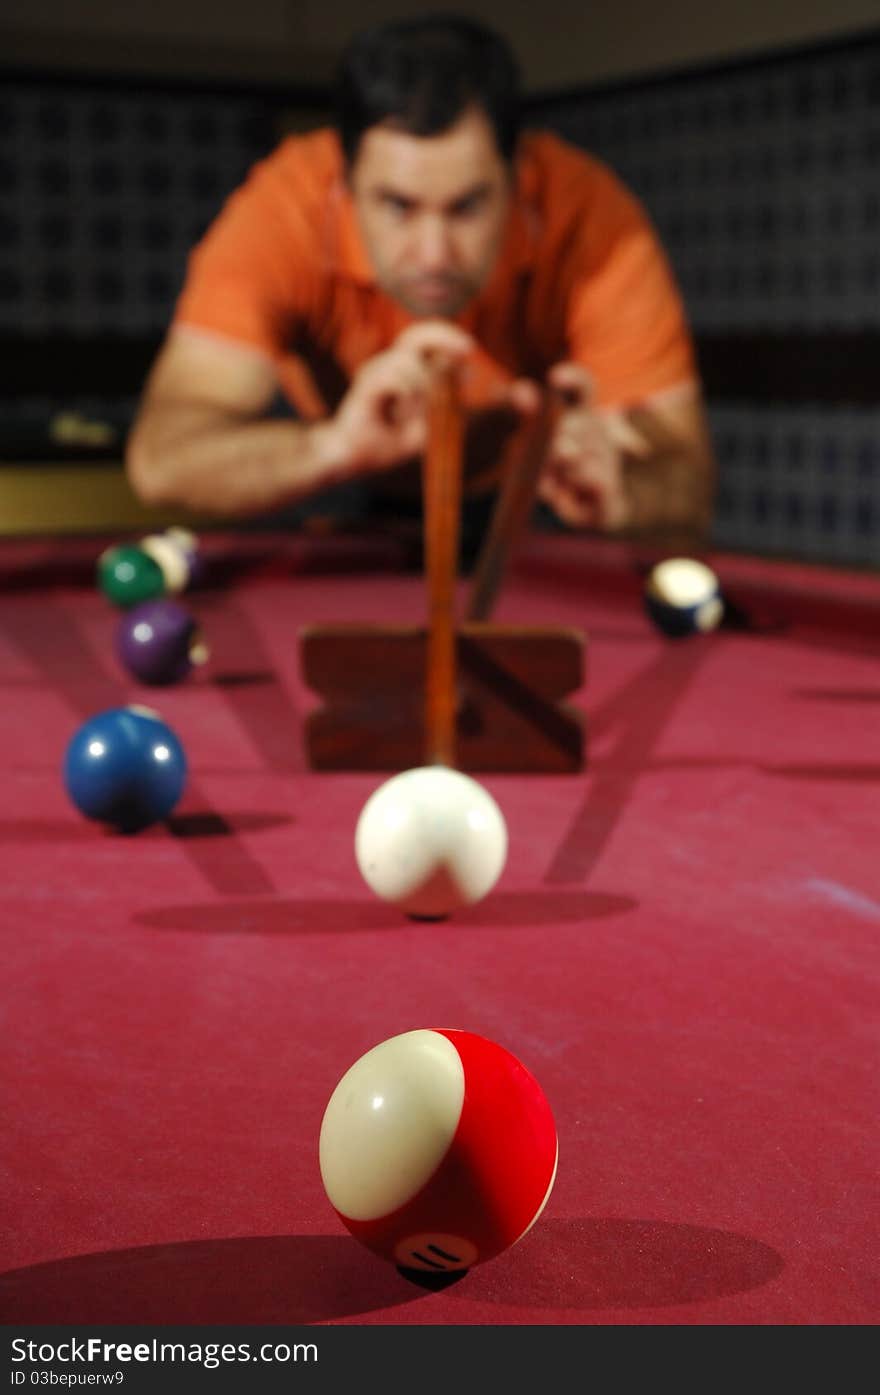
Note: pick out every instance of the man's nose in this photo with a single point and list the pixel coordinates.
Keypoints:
(434, 245)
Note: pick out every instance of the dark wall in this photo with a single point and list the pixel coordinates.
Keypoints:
(761, 177)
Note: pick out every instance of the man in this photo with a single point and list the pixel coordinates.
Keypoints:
(428, 229)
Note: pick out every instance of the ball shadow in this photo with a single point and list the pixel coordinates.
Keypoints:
(310, 916)
(752, 618)
(195, 825)
(855, 774)
(857, 695)
(253, 1279)
(243, 679)
(587, 1264)
(212, 825)
(574, 1265)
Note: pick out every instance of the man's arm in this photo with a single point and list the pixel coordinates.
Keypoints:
(200, 441)
(647, 472)
(626, 323)
(670, 487)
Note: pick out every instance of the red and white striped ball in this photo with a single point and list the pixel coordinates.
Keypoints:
(438, 1150)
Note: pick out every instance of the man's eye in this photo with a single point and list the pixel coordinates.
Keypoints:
(468, 206)
(399, 207)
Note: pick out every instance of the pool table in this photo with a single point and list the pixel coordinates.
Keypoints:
(682, 948)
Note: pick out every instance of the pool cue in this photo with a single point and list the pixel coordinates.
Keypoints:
(442, 487)
(512, 509)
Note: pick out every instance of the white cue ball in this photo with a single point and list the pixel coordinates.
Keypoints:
(431, 841)
(683, 597)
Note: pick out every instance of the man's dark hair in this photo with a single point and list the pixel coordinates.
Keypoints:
(421, 75)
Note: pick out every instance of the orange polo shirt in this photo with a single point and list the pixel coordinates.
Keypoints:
(580, 275)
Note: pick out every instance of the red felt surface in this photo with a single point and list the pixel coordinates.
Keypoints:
(682, 949)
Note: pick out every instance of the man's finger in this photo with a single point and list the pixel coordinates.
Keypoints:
(522, 395)
(624, 435)
(575, 510)
(401, 398)
(573, 382)
(436, 337)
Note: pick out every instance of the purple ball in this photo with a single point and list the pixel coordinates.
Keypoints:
(159, 642)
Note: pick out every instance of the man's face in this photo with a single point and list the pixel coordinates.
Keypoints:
(432, 211)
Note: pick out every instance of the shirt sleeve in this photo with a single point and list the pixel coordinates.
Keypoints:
(250, 277)
(626, 321)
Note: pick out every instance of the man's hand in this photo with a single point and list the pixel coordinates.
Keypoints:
(382, 420)
(583, 476)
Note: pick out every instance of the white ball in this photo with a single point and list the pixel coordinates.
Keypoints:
(431, 841)
(390, 1122)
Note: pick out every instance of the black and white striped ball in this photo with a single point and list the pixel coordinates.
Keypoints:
(683, 597)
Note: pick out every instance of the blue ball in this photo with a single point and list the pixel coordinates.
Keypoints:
(125, 767)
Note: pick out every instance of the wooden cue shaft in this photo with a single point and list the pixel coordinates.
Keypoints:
(442, 475)
(512, 509)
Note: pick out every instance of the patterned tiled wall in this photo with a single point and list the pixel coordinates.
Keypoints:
(104, 193)
(799, 481)
(764, 183)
